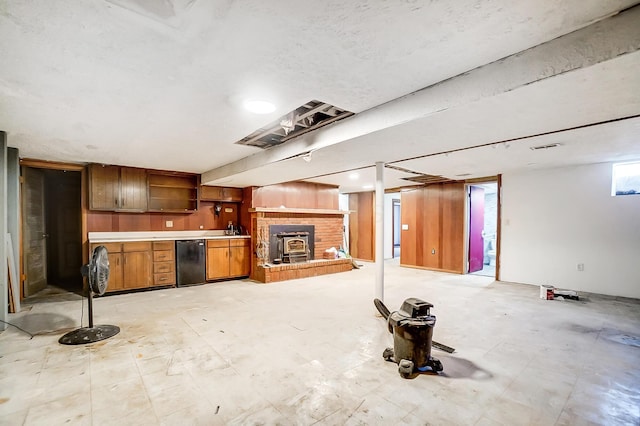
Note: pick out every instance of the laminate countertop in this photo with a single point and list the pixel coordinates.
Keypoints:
(107, 237)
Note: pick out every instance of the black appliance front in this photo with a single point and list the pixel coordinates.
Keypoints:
(191, 263)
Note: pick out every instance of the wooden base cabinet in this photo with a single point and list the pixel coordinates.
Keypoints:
(130, 265)
(228, 258)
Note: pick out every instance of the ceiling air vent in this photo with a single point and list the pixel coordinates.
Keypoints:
(420, 177)
(551, 145)
(428, 179)
(308, 117)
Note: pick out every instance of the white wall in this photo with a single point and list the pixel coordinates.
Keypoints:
(554, 219)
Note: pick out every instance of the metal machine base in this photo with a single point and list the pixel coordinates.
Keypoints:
(86, 335)
(407, 368)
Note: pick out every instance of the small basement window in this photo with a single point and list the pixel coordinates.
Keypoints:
(626, 179)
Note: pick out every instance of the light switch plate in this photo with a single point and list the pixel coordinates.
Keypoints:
(168, 224)
(405, 227)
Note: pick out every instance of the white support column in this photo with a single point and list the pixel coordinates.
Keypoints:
(379, 210)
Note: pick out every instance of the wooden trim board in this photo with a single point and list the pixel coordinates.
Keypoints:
(14, 292)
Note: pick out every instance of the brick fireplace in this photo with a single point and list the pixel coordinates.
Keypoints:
(325, 228)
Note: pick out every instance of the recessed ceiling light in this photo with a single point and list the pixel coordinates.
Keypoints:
(259, 106)
(354, 176)
(367, 186)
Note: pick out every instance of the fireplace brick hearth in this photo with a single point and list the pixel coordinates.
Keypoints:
(294, 271)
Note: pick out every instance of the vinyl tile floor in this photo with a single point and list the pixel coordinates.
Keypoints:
(309, 351)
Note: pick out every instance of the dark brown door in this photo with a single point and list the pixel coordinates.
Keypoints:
(34, 231)
(64, 224)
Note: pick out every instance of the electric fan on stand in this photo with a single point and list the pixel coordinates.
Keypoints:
(97, 274)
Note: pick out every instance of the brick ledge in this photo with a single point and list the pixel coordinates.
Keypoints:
(292, 271)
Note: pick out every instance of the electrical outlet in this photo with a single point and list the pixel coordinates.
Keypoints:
(168, 224)
(581, 267)
(201, 226)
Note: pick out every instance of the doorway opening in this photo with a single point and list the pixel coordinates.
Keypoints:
(51, 231)
(482, 228)
(396, 228)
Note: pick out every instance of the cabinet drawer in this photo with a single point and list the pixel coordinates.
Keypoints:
(217, 243)
(164, 279)
(240, 242)
(163, 267)
(136, 246)
(163, 245)
(111, 247)
(162, 255)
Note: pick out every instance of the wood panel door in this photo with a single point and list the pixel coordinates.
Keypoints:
(362, 225)
(137, 269)
(452, 213)
(217, 262)
(104, 187)
(34, 231)
(133, 189)
(476, 228)
(239, 258)
(408, 218)
(431, 227)
(434, 234)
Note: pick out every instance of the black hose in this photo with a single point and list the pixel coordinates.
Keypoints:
(381, 308)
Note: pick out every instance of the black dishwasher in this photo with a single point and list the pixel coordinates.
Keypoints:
(190, 264)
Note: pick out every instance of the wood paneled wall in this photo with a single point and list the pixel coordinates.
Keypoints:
(435, 216)
(296, 195)
(362, 225)
(102, 221)
(293, 195)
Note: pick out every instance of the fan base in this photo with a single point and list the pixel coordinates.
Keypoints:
(86, 335)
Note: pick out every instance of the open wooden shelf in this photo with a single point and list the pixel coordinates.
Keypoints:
(173, 193)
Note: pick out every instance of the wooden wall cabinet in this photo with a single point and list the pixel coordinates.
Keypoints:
(164, 263)
(130, 265)
(218, 193)
(116, 188)
(228, 258)
(173, 193)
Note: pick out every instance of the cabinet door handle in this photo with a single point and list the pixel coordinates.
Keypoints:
(115, 202)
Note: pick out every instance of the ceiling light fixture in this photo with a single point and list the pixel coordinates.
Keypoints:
(259, 106)
(367, 186)
(354, 176)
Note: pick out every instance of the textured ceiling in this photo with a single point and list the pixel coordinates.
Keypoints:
(159, 84)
